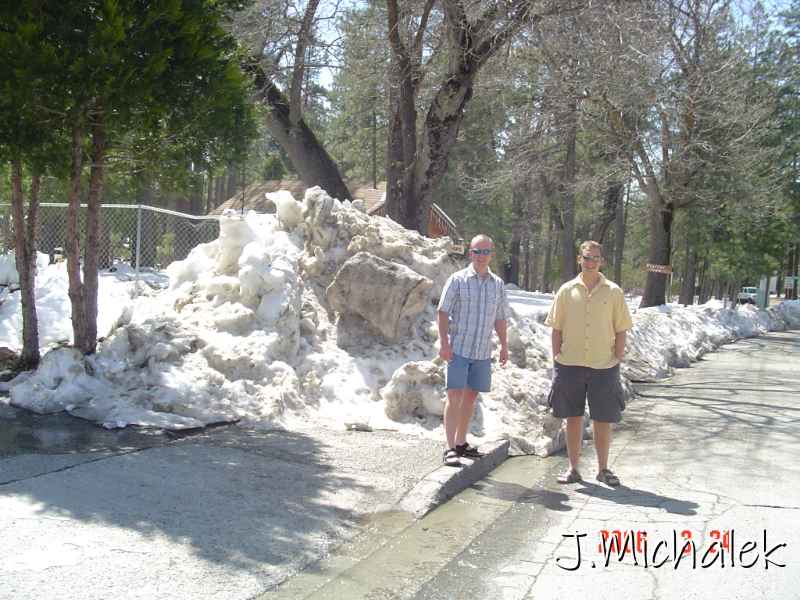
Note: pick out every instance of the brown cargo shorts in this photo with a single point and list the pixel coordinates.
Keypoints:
(573, 385)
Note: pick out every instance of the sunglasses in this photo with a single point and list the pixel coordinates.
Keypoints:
(592, 258)
(484, 251)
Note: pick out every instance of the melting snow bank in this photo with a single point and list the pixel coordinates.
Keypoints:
(324, 315)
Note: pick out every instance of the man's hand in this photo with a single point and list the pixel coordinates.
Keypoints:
(503, 355)
(446, 353)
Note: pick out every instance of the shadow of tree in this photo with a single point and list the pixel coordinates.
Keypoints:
(245, 500)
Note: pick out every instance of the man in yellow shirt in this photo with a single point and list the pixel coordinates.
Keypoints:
(590, 319)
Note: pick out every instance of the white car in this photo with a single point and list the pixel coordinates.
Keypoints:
(748, 295)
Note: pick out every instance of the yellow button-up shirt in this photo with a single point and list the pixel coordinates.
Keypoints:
(589, 322)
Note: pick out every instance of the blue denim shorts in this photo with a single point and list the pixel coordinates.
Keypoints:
(468, 373)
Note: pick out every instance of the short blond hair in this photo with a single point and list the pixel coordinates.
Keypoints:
(481, 237)
(591, 244)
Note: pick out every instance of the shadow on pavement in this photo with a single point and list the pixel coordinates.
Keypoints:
(635, 497)
(502, 490)
(246, 500)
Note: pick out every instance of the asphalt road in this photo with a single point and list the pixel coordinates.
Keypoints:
(224, 513)
(710, 456)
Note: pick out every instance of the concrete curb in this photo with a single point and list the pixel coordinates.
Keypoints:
(445, 482)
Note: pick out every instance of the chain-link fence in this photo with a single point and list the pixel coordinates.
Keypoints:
(138, 235)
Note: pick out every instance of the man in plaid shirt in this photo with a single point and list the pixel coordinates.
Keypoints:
(473, 303)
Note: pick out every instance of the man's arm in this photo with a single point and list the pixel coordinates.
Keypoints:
(619, 344)
(501, 327)
(556, 339)
(443, 321)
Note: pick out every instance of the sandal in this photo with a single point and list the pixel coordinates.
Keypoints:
(607, 477)
(468, 451)
(451, 458)
(569, 476)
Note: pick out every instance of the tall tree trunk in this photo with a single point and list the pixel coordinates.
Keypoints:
(659, 253)
(534, 246)
(526, 249)
(308, 156)
(25, 234)
(535, 254)
(471, 40)
(73, 244)
(612, 197)
(567, 193)
(197, 200)
(704, 282)
(90, 267)
(374, 144)
(209, 193)
(619, 233)
(779, 276)
(219, 190)
(230, 188)
(439, 135)
(551, 249)
(689, 274)
(719, 289)
(402, 146)
(519, 191)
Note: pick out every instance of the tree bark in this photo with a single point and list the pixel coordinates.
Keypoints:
(308, 156)
(73, 245)
(402, 142)
(534, 246)
(93, 224)
(209, 192)
(519, 192)
(219, 190)
(550, 248)
(689, 274)
(230, 187)
(619, 234)
(612, 196)
(659, 253)
(471, 41)
(25, 233)
(779, 277)
(567, 193)
(704, 282)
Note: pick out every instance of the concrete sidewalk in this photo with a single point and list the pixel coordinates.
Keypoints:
(711, 454)
(224, 513)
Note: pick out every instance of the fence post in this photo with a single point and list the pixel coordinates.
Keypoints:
(138, 244)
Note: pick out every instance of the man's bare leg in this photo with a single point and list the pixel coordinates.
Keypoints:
(465, 415)
(602, 443)
(452, 410)
(574, 438)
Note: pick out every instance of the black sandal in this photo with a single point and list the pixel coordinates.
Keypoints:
(468, 451)
(607, 477)
(451, 458)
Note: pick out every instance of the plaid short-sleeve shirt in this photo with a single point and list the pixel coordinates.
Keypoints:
(473, 304)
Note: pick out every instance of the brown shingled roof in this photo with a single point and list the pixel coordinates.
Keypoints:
(253, 196)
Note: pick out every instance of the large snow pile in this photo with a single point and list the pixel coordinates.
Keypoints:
(319, 314)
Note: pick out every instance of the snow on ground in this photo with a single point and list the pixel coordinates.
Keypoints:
(242, 330)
